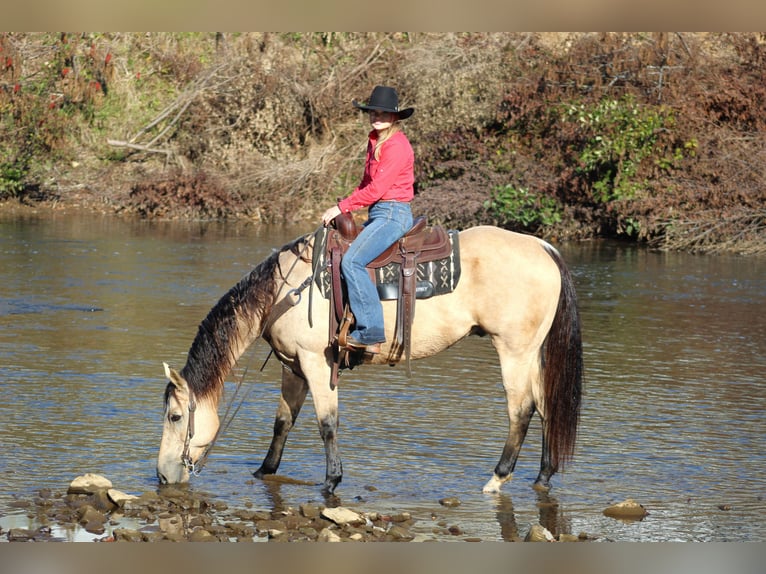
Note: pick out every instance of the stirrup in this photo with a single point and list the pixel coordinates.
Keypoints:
(345, 325)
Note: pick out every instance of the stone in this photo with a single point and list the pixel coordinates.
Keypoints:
(328, 535)
(341, 516)
(629, 509)
(119, 497)
(268, 525)
(102, 501)
(310, 510)
(20, 535)
(568, 538)
(89, 484)
(201, 535)
(396, 532)
(127, 534)
(88, 514)
(94, 527)
(450, 501)
(538, 533)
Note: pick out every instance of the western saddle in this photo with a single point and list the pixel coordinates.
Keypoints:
(419, 245)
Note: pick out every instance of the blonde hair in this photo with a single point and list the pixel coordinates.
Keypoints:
(395, 127)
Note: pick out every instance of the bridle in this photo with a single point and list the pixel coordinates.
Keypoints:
(186, 460)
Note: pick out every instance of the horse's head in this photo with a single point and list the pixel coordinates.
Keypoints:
(188, 430)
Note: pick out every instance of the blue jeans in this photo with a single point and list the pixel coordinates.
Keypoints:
(388, 221)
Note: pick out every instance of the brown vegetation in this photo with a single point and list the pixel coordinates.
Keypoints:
(649, 137)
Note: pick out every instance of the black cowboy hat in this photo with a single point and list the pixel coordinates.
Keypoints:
(384, 99)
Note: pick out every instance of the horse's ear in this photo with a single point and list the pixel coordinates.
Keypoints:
(174, 377)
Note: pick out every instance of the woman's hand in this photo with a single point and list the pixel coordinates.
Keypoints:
(330, 214)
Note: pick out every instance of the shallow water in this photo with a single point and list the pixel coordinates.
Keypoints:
(675, 350)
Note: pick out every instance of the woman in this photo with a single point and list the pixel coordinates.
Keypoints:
(387, 190)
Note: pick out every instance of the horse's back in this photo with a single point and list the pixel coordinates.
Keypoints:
(500, 253)
(511, 281)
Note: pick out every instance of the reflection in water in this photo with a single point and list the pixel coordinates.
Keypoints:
(675, 348)
(506, 518)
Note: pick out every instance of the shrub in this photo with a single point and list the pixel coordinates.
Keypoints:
(617, 135)
(518, 208)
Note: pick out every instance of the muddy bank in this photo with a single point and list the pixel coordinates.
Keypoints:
(176, 514)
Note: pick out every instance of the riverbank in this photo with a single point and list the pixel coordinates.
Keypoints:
(652, 138)
(91, 510)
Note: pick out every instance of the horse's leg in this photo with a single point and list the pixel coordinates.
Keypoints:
(326, 406)
(542, 482)
(517, 382)
(294, 389)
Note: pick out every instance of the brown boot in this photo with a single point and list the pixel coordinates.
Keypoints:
(355, 345)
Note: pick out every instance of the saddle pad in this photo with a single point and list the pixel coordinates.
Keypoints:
(433, 277)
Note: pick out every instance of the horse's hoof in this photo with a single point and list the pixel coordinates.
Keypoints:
(540, 486)
(330, 484)
(493, 484)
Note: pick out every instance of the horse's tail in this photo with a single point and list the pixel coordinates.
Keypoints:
(562, 371)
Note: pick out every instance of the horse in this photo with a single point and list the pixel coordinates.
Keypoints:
(514, 288)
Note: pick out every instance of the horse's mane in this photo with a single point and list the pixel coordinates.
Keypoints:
(220, 333)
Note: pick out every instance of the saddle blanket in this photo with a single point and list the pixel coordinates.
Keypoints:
(436, 277)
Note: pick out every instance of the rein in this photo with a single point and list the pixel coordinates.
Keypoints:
(195, 468)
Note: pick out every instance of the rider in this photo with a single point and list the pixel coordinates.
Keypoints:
(387, 188)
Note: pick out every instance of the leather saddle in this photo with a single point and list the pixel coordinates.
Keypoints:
(421, 244)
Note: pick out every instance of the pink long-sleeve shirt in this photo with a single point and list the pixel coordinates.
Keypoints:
(391, 178)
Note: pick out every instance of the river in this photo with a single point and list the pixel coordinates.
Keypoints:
(673, 414)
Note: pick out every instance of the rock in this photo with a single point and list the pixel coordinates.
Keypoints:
(268, 525)
(328, 535)
(119, 497)
(398, 533)
(309, 532)
(450, 501)
(201, 535)
(276, 534)
(175, 536)
(127, 534)
(152, 536)
(101, 501)
(538, 533)
(94, 527)
(20, 535)
(341, 516)
(294, 522)
(173, 491)
(627, 510)
(92, 519)
(310, 510)
(89, 484)
(568, 538)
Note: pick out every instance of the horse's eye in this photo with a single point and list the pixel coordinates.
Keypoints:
(175, 418)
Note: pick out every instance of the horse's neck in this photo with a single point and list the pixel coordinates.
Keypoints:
(229, 330)
(206, 369)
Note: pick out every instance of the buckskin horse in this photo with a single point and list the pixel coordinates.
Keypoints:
(513, 288)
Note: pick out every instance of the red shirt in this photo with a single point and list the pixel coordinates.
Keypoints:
(391, 178)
